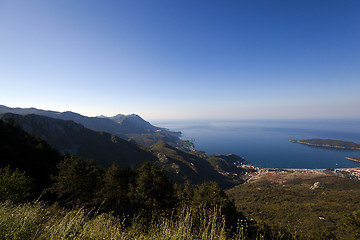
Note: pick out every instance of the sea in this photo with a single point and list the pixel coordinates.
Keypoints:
(265, 143)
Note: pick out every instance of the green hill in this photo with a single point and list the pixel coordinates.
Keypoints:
(311, 206)
(184, 166)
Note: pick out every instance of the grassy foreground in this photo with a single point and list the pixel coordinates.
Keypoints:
(38, 221)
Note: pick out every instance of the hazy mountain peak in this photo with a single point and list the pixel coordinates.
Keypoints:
(71, 113)
(101, 116)
(117, 116)
(133, 115)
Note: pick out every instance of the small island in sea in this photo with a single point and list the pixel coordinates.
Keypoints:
(329, 143)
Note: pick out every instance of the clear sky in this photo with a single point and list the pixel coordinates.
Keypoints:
(183, 58)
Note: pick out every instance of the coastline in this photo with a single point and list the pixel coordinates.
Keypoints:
(281, 175)
(357, 160)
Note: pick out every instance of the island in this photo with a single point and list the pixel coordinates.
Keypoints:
(329, 143)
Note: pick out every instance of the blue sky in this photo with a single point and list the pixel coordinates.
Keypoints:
(183, 58)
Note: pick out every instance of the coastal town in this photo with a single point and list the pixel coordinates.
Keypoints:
(252, 173)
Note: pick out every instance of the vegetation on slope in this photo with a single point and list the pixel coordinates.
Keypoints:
(117, 202)
(123, 126)
(184, 166)
(73, 138)
(105, 149)
(313, 208)
(141, 203)
(27, 153)
(149, 207)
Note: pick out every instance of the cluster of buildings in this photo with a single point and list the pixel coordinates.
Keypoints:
(351, 172)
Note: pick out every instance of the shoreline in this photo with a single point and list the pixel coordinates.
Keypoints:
(299, 169)
(282, 175)
(354, 159)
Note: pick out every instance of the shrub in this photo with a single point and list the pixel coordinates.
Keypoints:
(14, 186)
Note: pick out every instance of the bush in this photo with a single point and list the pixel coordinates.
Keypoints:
(14, 186)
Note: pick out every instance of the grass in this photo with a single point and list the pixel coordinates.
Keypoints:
(38, 221)
(294, 205)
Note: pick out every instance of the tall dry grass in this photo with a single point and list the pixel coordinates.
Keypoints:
(38, 221)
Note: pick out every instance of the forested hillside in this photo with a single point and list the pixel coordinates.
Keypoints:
(124, 126)
(105, 149)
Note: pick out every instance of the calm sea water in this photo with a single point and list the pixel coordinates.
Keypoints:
(265, 143)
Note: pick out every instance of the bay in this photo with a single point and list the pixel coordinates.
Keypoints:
(265, 143)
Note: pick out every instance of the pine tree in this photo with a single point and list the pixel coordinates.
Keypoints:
(117, 189)
(77, 181)
(153, 189)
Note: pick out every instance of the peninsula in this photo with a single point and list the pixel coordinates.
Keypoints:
(354, 159)
(329, 143)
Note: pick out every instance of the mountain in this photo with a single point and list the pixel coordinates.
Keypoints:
(185, 166)
(136, 128)
(124, 126)
(133, 123)
(94, 123)
(69, 137)
(28, 153)
(101, 116)
(105, 149)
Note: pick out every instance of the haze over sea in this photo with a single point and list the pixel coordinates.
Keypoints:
(265, 143)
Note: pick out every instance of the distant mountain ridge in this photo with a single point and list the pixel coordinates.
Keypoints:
(105, 149)
(68, 136)
(134, 121)
(124, 126)
(94, 123)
